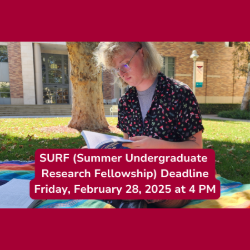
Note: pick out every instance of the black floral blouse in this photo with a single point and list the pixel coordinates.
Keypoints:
(174, 114)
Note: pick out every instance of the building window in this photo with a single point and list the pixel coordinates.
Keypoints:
(199, 42)
(3, 53)
(5, 93)
(55, 79)
(55, 69)
(229, 44)
(4, 90)
(168, 66)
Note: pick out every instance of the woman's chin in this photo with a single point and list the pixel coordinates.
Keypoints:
(132, 83)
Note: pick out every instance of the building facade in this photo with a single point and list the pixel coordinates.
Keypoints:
(34, 73)
(38, 73)
(219, 86)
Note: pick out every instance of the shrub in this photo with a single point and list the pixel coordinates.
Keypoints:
(215, 108)
(235, 114)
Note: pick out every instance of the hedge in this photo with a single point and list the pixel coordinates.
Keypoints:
(213, 108)
(235, 114)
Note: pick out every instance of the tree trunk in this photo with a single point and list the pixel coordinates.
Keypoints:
(87, 106)
(246, 96)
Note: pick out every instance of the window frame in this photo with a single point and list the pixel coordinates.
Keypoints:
(7, 59)
(54, 88)
(166, 66)
(8, 92)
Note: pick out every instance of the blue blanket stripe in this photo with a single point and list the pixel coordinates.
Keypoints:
(2, 182)
(61, 203)
(17, 162)
(8, 177)
(227, 186)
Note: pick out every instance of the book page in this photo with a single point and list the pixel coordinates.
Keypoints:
(95, 140)
(15, 194)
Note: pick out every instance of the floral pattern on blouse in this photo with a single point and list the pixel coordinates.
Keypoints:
(174, 114)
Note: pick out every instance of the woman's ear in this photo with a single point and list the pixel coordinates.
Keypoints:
(143, 54)
(141, 51)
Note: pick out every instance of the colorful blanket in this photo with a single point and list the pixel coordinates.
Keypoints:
(26, 170)
(233, 194)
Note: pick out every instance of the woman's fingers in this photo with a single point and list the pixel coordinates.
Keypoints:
(127, 145)
(137, 138)
(136, 144)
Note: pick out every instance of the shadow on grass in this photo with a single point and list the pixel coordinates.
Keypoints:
(19, 148)
(232, 158)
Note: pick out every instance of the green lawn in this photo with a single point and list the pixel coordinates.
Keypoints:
(19, 139)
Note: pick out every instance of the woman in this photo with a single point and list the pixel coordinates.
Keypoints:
(156, 112)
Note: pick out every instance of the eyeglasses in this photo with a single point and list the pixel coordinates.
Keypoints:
(124, 68)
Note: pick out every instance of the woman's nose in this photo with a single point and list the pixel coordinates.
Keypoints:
(123, 74)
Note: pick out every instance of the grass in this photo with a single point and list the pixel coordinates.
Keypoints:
(21, 137)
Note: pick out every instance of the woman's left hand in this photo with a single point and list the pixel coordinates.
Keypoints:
(141, 142)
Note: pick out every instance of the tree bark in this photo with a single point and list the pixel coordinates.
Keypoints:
(87, 104)
(246, 96)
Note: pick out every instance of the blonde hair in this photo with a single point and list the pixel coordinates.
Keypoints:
(106, 51)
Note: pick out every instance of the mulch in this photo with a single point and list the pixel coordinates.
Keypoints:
(65, 129)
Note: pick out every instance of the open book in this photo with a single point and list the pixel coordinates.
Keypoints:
(98, 140)
(16, 194)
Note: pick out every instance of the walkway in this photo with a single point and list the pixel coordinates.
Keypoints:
(223, 119)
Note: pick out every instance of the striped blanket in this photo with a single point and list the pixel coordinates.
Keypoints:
(233, 194)
(26, 170)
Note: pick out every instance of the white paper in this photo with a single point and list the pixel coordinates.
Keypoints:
(15, 194)
(94, 140)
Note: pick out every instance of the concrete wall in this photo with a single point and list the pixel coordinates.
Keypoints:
(28, 73)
